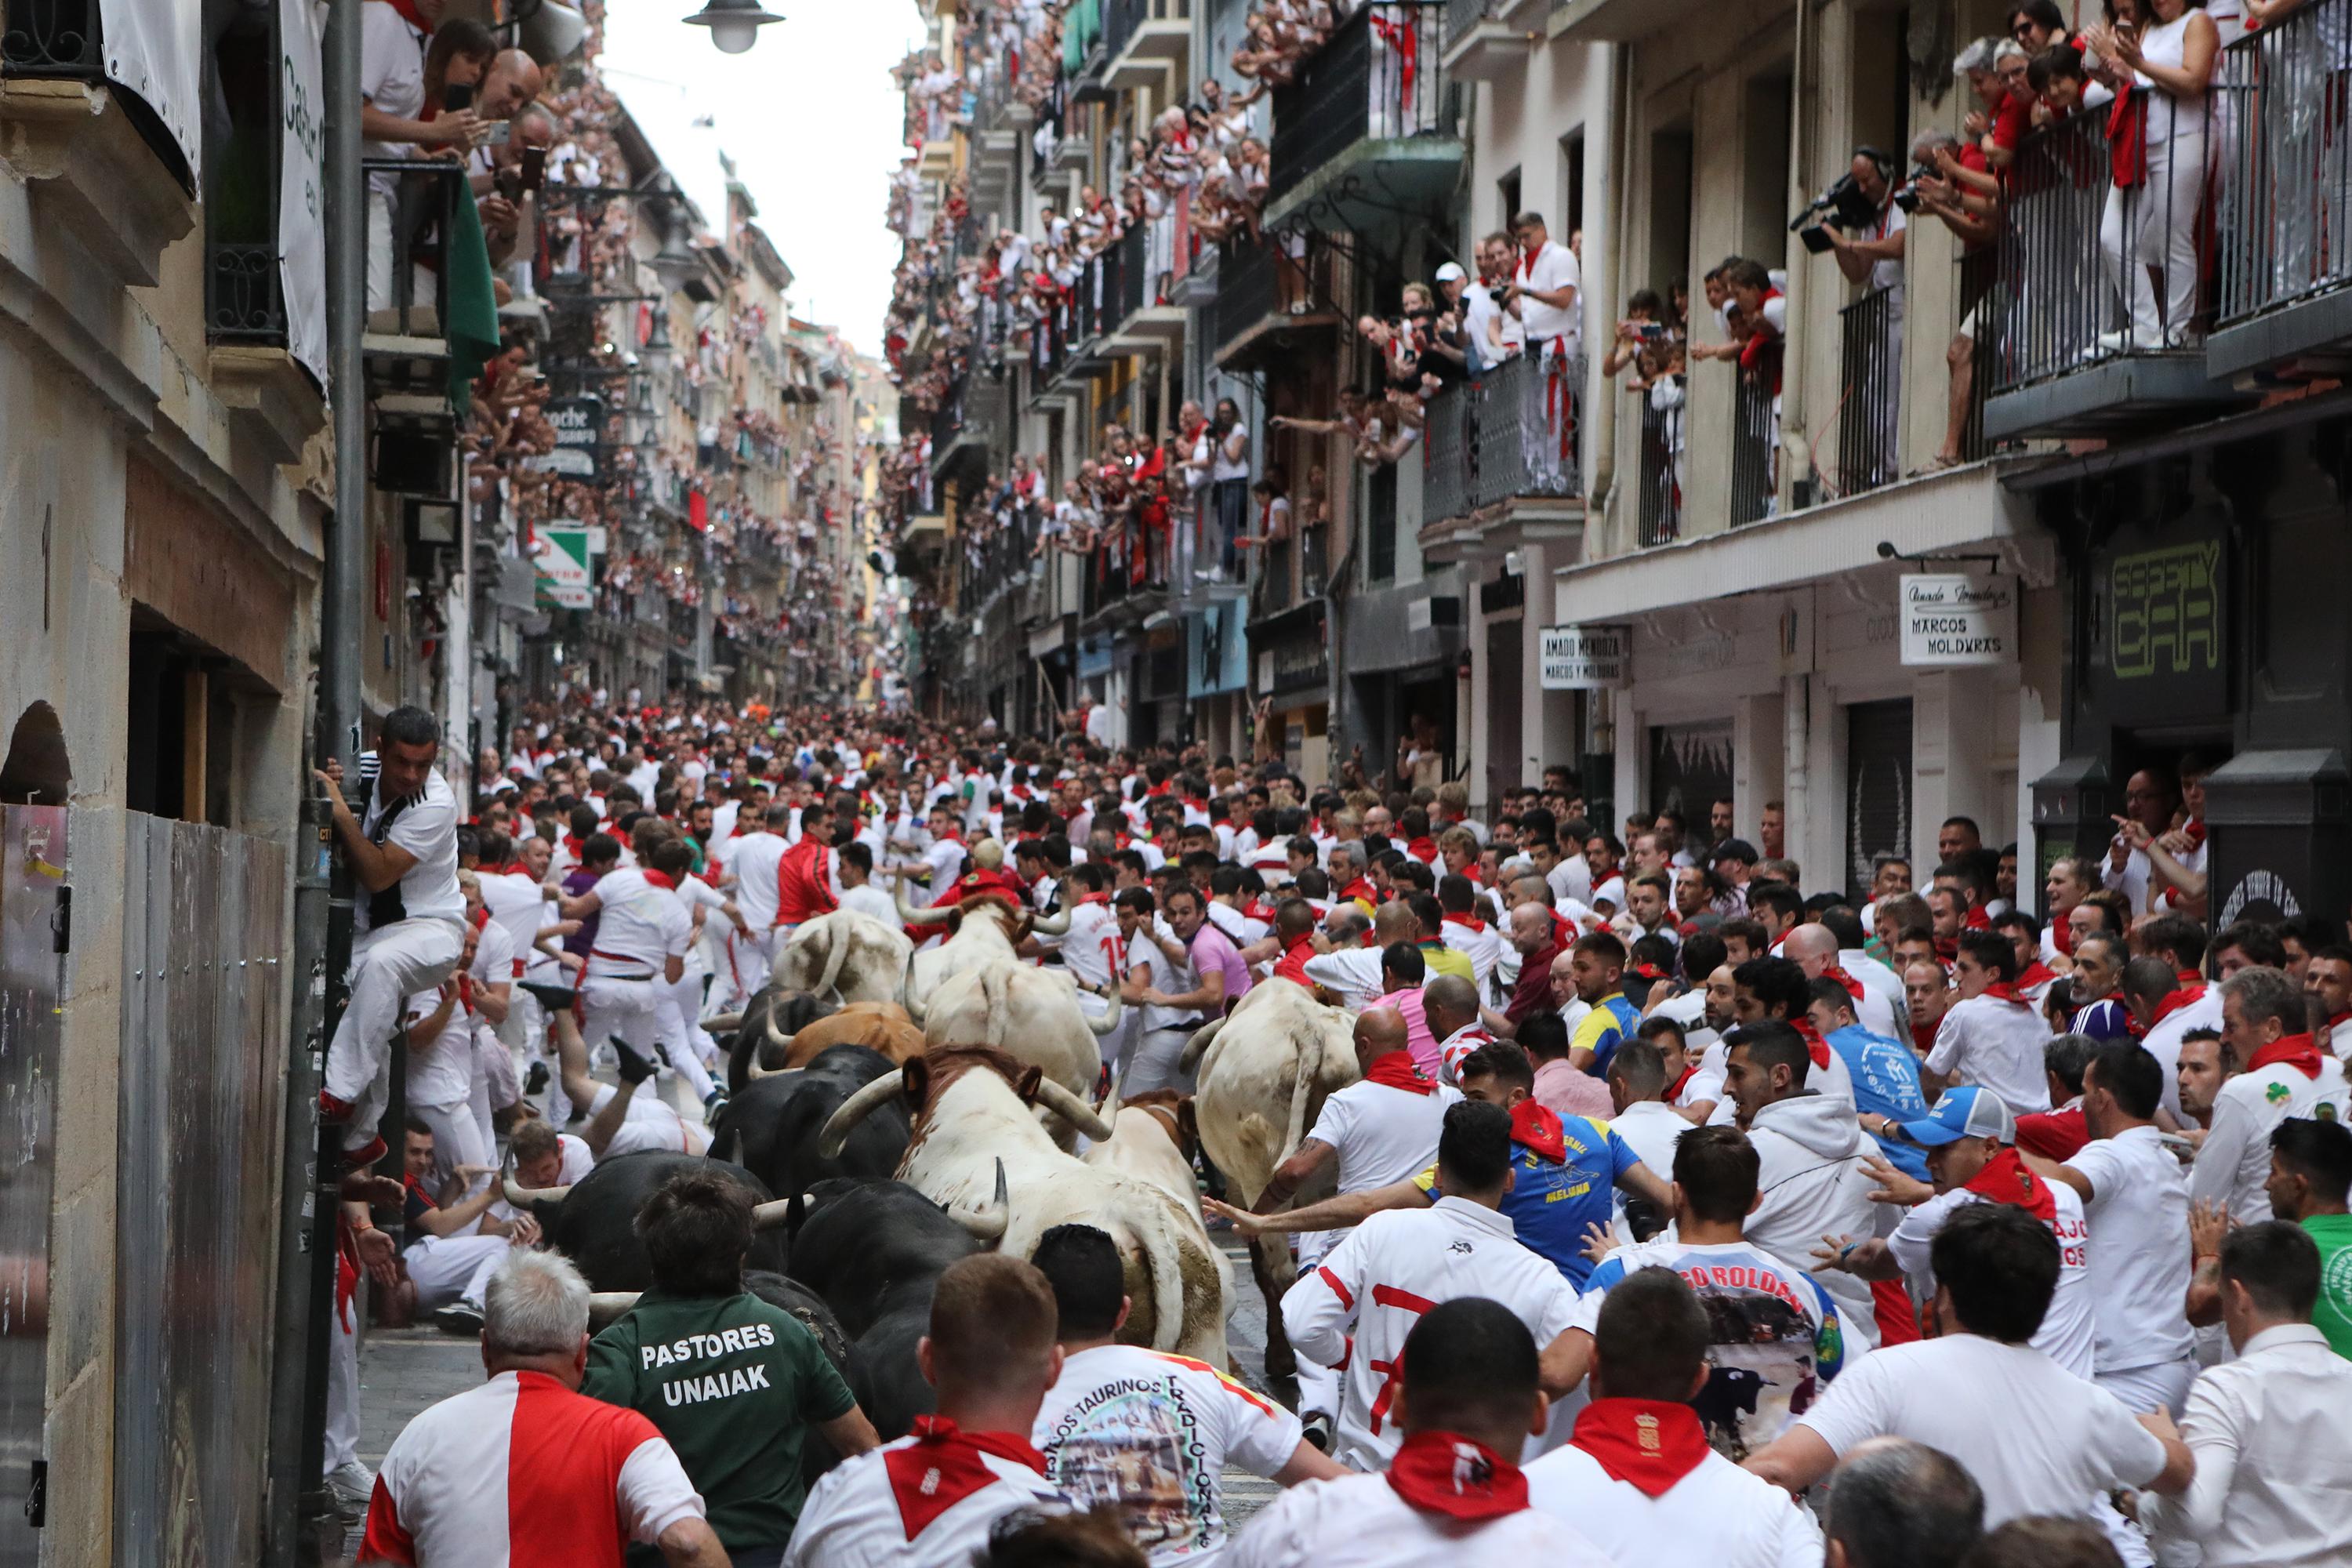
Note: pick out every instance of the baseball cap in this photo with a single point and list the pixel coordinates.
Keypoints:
(1738, 849)
(1966, 1112)
(1451, 273)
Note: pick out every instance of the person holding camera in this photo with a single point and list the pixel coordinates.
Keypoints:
(1870, 252)
(1545, 291)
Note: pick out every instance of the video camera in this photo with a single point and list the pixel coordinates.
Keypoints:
(1843, 203)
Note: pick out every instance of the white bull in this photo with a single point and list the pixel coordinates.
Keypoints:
(979, 1152)
(1266, 1069)
(845, 957)
(1031, 1012)
(985, 933)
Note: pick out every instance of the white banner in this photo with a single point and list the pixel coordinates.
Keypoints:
(302, 186)
(1951, 618)
(156, 48)
(1584, 658)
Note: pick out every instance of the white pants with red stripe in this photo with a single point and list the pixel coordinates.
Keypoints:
(744, 961)
(681, 1037)
(446, 1268)
(1319, 1385)
(343, 1384)
(389, 964)
(614, 1009)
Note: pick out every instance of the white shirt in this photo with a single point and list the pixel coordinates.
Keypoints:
(1382, 1134)
(574, 1162)
(2037, 1438)
(2164, 1037)
(1716, 1516)
(1994, 1045)
(426, 826)
(1571, 882)
(1388, 1271)
(1152, 1435)
(1482, 945)
(1360, 1521)
(2235, 1158)
(853, 1517)
(865, 898)
(2069, 1331)
(753, 862)
(1651, 1128)
(2139, 1216)
(639, 925)
(1555, 269)
(2270, 1430)
(441, 1073)
(518, 907)
(391, 78)
(1092, 948)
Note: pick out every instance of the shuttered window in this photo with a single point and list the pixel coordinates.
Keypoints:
(1877, 787)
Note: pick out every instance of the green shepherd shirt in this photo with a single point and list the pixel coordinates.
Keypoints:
(2333, 1316)
(735, 1384)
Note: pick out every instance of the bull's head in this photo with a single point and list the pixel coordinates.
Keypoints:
(923, 1080)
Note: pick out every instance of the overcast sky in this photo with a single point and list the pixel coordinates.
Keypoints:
(811, 120)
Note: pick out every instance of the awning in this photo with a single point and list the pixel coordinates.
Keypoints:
(1954, 510)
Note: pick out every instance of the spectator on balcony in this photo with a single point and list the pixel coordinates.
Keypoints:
(1873, 255)
(1272, 493)
(2038, 24)
(1945, 196)
(2156, 138)
(455, 63)
(1644, 323)
(1229, 481)
(1545, 291)
(393, 41)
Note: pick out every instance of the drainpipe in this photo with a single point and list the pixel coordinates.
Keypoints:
(1800, 140)
(1616, 65)
(297, 1508)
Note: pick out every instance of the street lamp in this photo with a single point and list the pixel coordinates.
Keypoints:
(734, 24)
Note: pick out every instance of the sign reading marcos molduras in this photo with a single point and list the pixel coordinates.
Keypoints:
(1951, 618)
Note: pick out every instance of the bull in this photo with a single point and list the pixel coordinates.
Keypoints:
(982, 928)
(975, 1128)
(1266, 1069)
(593, 1221)
(880, 1027)
(766, 1026)
(845, 957)
(772, 1129)
(1030, 1012)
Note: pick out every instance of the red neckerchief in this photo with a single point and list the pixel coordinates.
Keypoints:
(1444, 1472)
(1472, 922)
(2187, 995)
(1977, 920)
(2194, 830)
(1563, 931)
(1818, 1047)
(661, 880)
(1359, 889)
(1674, 1089)
(481, 917)
(1424, 849)
(1540, 1128)
(1923, 1036)
(1648, 971)
(2337, 1020)
(1258, 909)
(2297, 1051)
(1837, 973)
(2005, 991)
(1648, 1444)
(2062, 935)
(1095, 899)
(572, 847)
(1948, 948)
(2127, 135)
(2006, 1180)
(1293, 965)
(1398, 1070)
(2035, 974)
(942, 1467)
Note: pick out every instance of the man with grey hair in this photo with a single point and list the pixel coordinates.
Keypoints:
(2286, 1075)
(1350, 968)
(525, 1467)
(1895, 1504)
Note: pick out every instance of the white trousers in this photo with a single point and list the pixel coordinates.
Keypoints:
(2154, 224)
(1155, 1063)
(617, 1009)
(343, 1382)
(456, 1140)
(2148, 1389)
(681, 1037)
(446, 1268)
(379, 251)
(389, 964)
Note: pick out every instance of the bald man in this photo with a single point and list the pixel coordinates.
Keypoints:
(1815, 950)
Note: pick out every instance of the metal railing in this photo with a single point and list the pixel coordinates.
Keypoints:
(1869, 409)
(1979, 275)
(1515, 429)
(1379, 78)
(1284, 276)
(423, 216)
(2286, 190)
(245, 296)
(1137, 288)
(1461, 15)
(53, 39)
(2093, 270)
(1756, 441)
(1662, 466)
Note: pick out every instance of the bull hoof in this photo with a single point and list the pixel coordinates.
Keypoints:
(1281, 1363)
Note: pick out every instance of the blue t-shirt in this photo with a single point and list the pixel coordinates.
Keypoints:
(1777, 1336)
(1612, 1022)
(1885, 1083)
(1551, 1201)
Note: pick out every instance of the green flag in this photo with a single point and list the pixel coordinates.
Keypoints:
(472, 330)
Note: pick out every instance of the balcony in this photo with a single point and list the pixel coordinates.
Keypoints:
(2286, 199)
(1271, 298)
(1069, 343)
(1144, 41)
(405, 345)
(1503, 461)
(1662, 468)
(1870, 431)
(1148, 321)
(1619, 21)
(2089, 346)
(1364, 141)
(1756, 443)
(1480, 46)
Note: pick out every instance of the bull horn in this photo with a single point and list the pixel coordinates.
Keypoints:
(522, 1197)
(1199, 1042)
(776, 1036)
(723, 1023)
(916, 917)
(988, 1225)
(1058, 1100)
(914, 1009)
(855, 1110)
(607, 1306)
(1110, 1020)
(1050, 925)
(754, 1069)
(771, 1214)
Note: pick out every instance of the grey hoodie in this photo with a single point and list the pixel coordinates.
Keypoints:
(1812, 1185)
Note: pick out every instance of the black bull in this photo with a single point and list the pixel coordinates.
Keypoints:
(792, 1011)
(772, 1127)
(594, 1225)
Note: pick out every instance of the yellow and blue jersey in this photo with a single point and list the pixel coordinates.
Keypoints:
(1612, 1022)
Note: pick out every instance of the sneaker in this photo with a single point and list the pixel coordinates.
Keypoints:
(535, 1081)
(632, 1067)
(351, 1484)
(333, 1109)
(366, 1155)
(458, 1318)
(712, 1106)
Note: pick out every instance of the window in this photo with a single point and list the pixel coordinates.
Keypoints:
(1380, 524)
(1507, 190)
(1572, 173)
(1670, 205)
(1764, 191)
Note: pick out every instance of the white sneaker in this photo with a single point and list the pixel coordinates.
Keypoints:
(352, 1484)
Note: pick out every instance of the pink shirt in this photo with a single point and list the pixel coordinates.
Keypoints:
(1213, 952)
(1568, 1091)
(1417, 1038)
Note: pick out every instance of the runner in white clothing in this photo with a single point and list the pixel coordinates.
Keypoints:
(1991, 1036)
(2286, 1074)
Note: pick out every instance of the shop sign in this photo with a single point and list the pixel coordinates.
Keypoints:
(559, 552)
(1585, 658)
(579, 424)
(1951, 618)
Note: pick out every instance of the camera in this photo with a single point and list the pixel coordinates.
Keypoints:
(1843, 205)
(1906, 195)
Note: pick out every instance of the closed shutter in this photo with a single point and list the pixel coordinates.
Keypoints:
(1690, 768)
(1877, 787)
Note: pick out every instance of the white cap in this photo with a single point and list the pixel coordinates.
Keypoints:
(1451, 273)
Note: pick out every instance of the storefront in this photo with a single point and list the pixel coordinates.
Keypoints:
(1216, 677)
(1292, 670)
(1404, 661)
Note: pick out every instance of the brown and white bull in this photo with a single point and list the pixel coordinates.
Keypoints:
(978, 1151)
(1031, 1012)
(846, 957)
(1265, 1070)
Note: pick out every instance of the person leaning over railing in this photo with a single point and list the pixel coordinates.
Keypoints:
(1967, 202)
(2161, 69)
